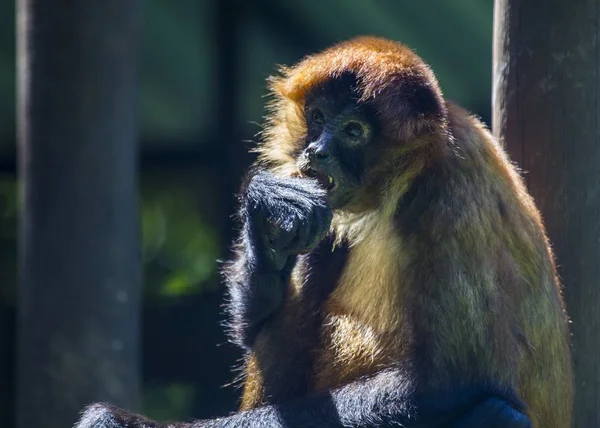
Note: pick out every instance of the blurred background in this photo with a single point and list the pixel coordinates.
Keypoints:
(203, 70)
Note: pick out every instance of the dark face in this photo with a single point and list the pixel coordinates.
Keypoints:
(339, 137)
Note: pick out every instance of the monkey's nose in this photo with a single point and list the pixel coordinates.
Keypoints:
(317, 152)
(321, 155)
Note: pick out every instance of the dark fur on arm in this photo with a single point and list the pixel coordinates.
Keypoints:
(385, 400)
(281, 217)
(255, 292)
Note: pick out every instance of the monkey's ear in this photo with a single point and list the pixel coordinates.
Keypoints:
(410, 106)
(422, 101)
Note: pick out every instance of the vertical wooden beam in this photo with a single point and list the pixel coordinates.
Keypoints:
(547, 111)
(79, 297)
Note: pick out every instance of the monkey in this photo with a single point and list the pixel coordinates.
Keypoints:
(391, 267)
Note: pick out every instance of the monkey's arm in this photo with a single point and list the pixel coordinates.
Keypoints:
(281, 217)
(255, 290)
(385, 400)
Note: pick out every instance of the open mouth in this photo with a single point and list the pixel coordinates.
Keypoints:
(326, 181)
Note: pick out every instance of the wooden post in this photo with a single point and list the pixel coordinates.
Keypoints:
(547, 111)
(79, 303)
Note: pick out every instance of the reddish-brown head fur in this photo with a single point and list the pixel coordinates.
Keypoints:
(395, 81)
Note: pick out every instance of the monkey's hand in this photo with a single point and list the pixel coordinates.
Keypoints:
(282, 217)
(287, 216)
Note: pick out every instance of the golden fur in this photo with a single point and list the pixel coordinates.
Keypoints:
(486, 268)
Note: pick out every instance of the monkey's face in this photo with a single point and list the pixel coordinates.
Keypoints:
(339, 137)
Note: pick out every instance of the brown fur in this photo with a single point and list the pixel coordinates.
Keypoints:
(466, 286)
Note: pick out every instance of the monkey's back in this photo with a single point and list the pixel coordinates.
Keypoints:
(525, 273)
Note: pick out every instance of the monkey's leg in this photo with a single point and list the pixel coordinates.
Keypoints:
(385, 400)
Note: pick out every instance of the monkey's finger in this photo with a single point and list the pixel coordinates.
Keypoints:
(285, 240)
(279, 260)
(274, 250)
(303, 237)
(321, 224)
(315, 231)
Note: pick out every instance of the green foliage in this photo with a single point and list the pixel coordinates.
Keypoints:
(180, 249)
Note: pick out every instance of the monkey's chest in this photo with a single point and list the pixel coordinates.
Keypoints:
(343, 319)
(364, 328)
(351, 349)
(298, 357)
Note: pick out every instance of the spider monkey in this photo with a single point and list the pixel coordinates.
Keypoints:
(392, 269)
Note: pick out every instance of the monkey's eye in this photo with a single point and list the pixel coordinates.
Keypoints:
(317, 117)
(354, 130)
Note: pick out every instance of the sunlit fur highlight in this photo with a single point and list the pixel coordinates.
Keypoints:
(478, 258)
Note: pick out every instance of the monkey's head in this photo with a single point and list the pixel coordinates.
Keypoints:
(358, 117)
